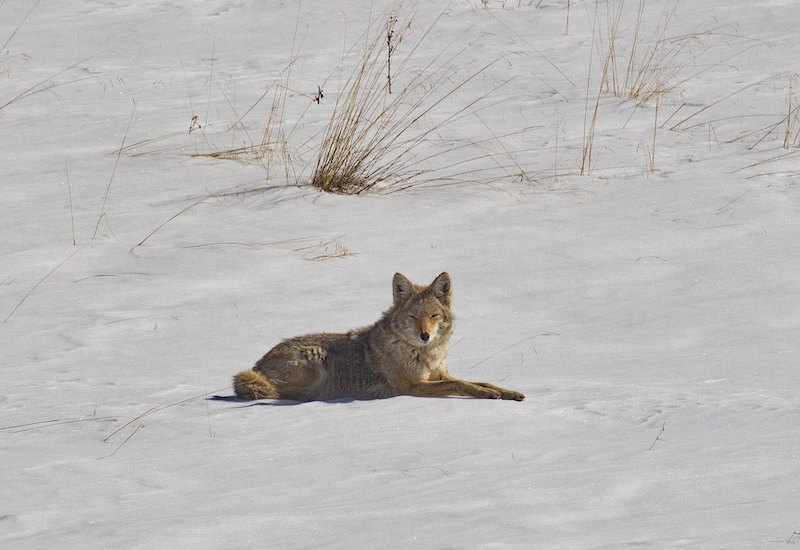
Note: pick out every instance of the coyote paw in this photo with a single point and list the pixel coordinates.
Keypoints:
(513, 395)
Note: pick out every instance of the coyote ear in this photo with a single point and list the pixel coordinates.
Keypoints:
(402, 289)
(442, 288)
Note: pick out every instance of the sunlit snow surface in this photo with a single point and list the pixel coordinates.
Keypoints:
(648, 309)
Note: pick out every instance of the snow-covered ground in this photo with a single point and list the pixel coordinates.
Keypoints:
(648, 308)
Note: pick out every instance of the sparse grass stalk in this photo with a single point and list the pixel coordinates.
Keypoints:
(712, 133)
(199, 201)
(318, 249)
(208, 416)
(787, 134)
(520, 171)
(790, 122)
(71, 210)
(156, 409)
(766, 161)
(675, 112)
(655, 131)
(326, 250)
(30, 426)
(590, 123)
(683, 121)
(540, 54)
(588, 134)
(47, 85)
(658, 435)
(113, 173)
(202, 127)
(18, 27)
(390, 47)
(42, 280)
(791, 134)
(555, 149)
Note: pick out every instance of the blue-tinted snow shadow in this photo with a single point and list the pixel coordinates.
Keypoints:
(272, 402)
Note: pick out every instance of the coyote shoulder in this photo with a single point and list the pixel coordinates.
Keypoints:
(403, 353)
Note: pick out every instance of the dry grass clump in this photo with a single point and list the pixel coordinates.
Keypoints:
(374, 137)
(358, 134)
(640, 60)
(642, 68)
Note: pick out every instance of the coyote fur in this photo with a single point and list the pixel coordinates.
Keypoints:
(403, 353)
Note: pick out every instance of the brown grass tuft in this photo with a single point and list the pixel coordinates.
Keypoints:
(374, 138)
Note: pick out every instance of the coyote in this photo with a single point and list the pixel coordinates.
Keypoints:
(403, 353)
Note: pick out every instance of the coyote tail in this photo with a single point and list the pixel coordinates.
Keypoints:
(250, 384)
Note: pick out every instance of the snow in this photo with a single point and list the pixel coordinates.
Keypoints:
(648, 309)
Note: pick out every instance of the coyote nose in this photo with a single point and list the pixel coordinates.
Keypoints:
(424, 336)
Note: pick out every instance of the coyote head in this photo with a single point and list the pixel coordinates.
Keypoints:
(421, 315)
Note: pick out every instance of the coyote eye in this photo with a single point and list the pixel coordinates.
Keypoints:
(435, 316)
(412, 317)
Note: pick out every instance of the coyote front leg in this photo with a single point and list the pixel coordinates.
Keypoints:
(453, 386)
(502, 393)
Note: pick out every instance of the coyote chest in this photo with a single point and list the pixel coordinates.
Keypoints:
(424, 366)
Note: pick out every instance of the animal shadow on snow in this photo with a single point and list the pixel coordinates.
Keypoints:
(273, 402)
